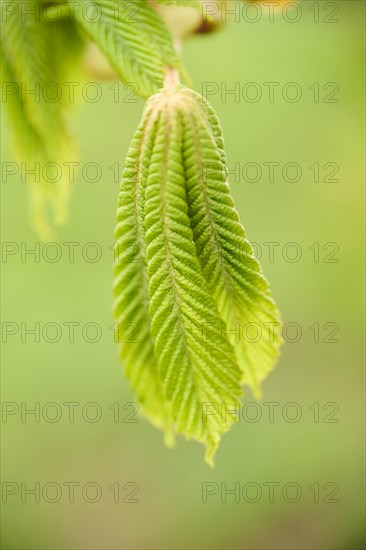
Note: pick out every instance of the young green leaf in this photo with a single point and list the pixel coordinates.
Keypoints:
(233, 274)
(37, 105)
(131, 306)
(135, 40)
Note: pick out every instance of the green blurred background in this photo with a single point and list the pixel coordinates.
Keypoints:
(170, 512)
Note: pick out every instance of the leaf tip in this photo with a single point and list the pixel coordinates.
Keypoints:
(210, 455)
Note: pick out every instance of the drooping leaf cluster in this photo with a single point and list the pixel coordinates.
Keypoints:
(185, 276)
